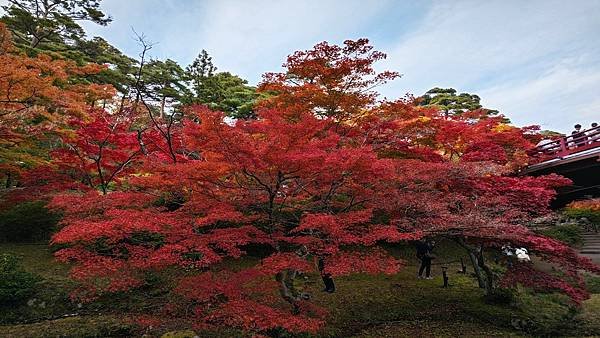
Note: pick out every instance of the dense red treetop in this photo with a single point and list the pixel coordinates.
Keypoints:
(328, 80)
(288, 184)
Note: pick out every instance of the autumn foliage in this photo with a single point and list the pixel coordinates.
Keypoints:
(325, 171)
(99, 149)
(39, 95)
(328, 80)
(592, 205)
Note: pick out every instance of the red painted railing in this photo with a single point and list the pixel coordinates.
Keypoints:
(574, 143)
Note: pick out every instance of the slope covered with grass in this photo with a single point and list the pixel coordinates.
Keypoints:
(363, 305)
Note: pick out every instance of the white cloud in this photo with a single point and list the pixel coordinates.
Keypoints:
(518, 55)
(253, 37)
(557, 99)
(245, 37)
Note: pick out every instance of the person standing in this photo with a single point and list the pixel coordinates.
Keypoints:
(327, 280)
(579, 138)
(425, 254)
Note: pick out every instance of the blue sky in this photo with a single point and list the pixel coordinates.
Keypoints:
(536, 61)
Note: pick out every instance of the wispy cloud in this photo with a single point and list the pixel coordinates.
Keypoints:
(537, 61)
(564, 94)
(245, 37)
(252, 37)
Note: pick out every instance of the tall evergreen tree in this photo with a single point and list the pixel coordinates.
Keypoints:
(165, 83)
(33, 22)
(221, 91)
(202, 67)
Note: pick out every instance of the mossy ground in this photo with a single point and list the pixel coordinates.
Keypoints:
(83, 326)
(363, 305)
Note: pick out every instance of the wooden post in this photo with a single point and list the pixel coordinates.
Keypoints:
(563, 146)
(445, 275)
(463, 267)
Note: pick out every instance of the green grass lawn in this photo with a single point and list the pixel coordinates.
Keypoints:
(38, 258)
(363, 305)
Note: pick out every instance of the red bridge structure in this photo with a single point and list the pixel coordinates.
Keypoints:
(576, 157)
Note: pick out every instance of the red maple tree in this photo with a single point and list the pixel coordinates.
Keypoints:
(324, 171)
(327, 80)
(292, 185)
(100, 149)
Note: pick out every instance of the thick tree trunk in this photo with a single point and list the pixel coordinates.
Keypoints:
(489, 275)
(477, 269)
(286, 287)
(8, 180)
(475, 262)
(34, 42)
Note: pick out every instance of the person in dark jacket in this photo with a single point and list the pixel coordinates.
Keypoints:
(579, 137)
(424, 253)
(327, 280)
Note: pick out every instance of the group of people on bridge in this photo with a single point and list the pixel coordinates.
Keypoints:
(583, 137)
(579, 140)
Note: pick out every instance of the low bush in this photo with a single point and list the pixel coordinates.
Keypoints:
(501, 296)
(588, 209)
(16, 285)
(545, 314)
(567, 233)
(592, 283)
(27, 222)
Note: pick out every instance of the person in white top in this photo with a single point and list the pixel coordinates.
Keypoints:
(522, 255)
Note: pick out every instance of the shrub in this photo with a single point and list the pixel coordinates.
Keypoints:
(27, 222)
(591, 204)
(568, 233)
(592, 283)
(545, 314)
(15, 283)
(501, 296)
(589, 209)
